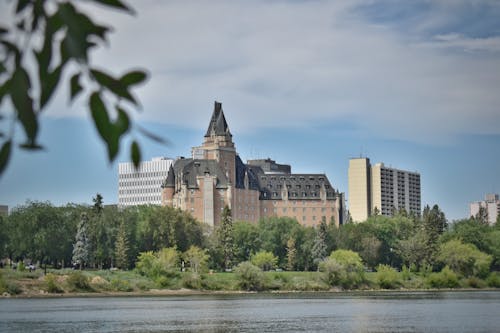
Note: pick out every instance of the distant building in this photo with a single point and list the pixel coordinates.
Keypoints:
(382, 189)
(491, 204)
(216, 176)
(4, 210)
(359, 187)
(143, 185)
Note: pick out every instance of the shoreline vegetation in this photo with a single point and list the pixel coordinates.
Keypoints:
(147, 250)
(117, 283)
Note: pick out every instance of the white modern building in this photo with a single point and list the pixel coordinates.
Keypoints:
(142, 186)
(491, 203)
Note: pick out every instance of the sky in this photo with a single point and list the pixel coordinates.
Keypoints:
(413, 84)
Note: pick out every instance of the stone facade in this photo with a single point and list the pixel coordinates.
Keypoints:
(216, 176)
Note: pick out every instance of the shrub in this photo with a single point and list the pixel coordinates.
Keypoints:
(77, 281)
(21, 267)
(165, 282)
(3, 285)
(387, 277)
(162, 263)
(250, 277)
(121, 285)
(147, 264)
(343, 268)
(334, 272)
(444, 279)
(13, 288)
(475, 282)
(168, 260)
(264, 260)
(51, 284)
(493, 280)
(405, 273)
(192, 281)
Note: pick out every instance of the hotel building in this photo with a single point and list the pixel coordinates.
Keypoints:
(215, 176)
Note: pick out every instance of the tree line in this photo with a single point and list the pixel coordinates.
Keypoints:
(100, 237)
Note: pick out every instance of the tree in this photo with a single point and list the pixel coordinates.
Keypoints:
(493, 244)
(81, 247)
(370, 248)
(3, 236)
(434, 222)
(319, 247)
(247, 236)
(98, 204)
(122, 247)
(413, 250)
(275, 233)
(47, 41)
(469, 231)
(99, 232)
(291, 254)
(196, 258)
(264, 260)
(465, 259)
(225, 238)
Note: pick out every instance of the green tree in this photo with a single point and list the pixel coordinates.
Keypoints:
(99, 232)
(493, 245)
(469, 231)
(275, 233)
(434, 223)
(3, 236)
(57, 37)
(196, 258)
(247, 237)
(225, 238)
(122, 248)
(264, 260)
(38, 232)
(370, 250)
(413, 250)
(82, 246)
(464, 259)
(291, 254)
(319, 247)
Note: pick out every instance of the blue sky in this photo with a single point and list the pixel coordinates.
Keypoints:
(413, 84)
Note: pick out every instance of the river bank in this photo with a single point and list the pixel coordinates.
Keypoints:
(106, 283)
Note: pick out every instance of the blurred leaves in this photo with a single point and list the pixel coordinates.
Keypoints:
(64, 35)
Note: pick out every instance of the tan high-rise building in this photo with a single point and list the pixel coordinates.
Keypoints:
(359, 189)
(394, 189)
(381, 189)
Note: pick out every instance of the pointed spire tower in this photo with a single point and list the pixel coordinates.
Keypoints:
(218, 144)
(218, 130)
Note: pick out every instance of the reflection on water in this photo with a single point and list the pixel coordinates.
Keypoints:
(356, 312)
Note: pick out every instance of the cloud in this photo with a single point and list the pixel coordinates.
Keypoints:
(303, 63)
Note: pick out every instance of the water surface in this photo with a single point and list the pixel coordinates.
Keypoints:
(318, 312)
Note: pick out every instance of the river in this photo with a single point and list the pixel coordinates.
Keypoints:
(477, 311)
